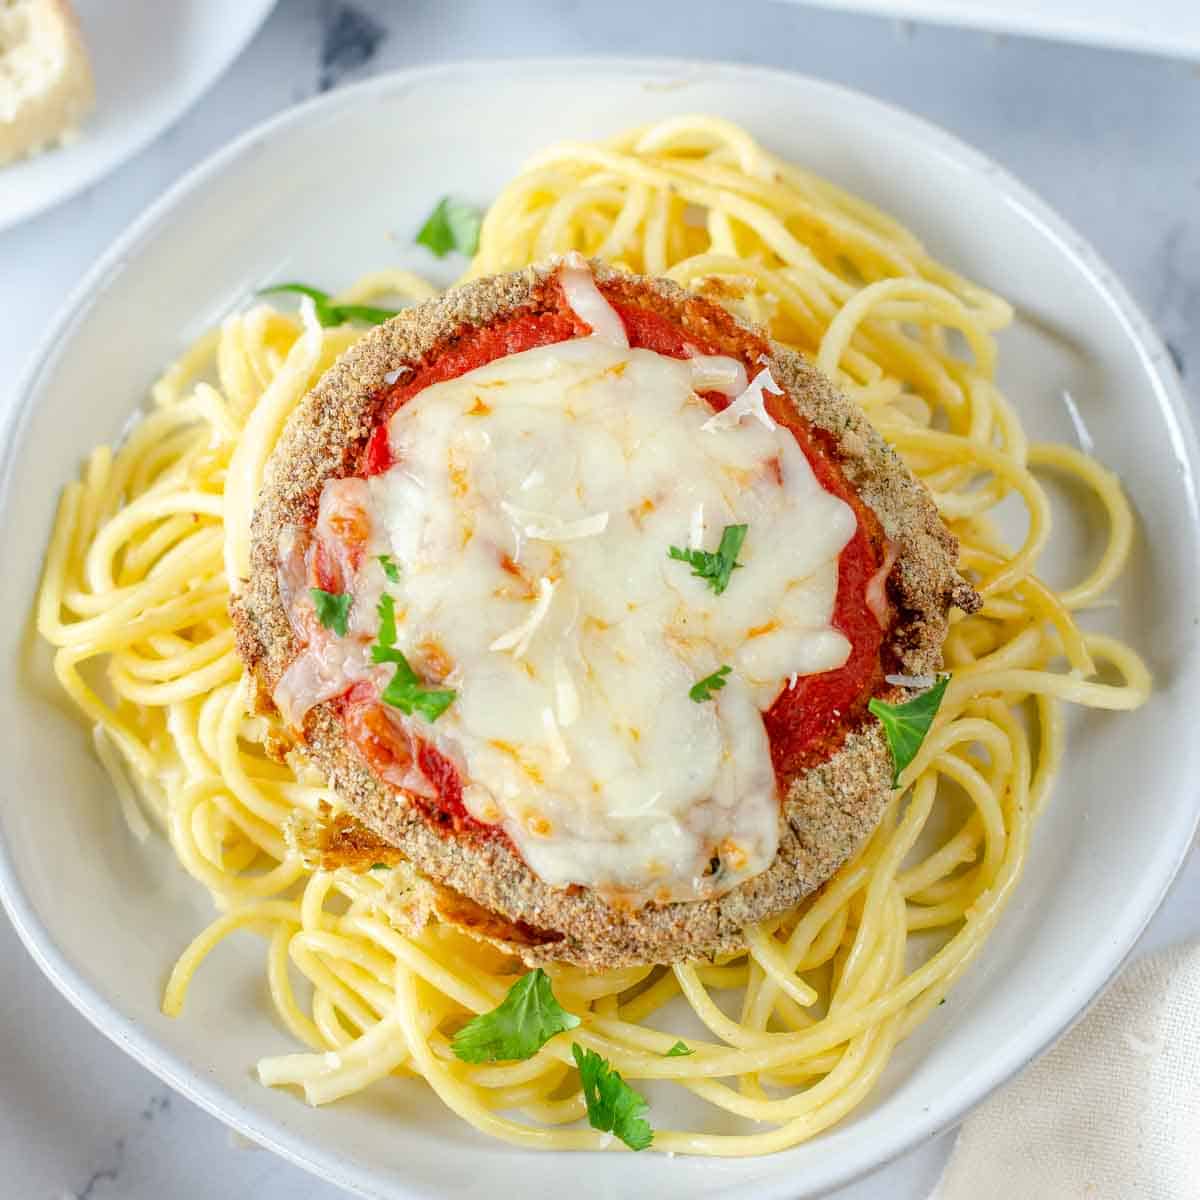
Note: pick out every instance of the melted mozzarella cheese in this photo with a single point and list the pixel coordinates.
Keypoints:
(584, 297)
(530, 510)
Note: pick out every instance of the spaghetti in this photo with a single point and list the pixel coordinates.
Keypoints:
(137, 584)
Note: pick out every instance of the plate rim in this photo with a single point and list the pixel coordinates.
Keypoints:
(123, 152)
(1171, 404)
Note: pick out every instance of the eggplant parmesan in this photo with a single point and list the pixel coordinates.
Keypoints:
(577, 589)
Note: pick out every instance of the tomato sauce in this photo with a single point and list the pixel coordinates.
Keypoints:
(807, 722)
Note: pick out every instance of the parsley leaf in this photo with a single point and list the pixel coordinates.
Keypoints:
(679, 1050)
(523, 1022)
(333, 609)
(328, 313)
(451, 226)
(710, 683)
(380, 867)
(612, 1105)
(368, 314)
(406, 692)
(905, 725)
(716, 568)
(390, 567)
(387, 620)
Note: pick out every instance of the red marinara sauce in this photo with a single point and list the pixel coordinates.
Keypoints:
(807, 722)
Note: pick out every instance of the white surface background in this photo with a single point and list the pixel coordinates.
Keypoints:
(1162, 26)
(1112, 140)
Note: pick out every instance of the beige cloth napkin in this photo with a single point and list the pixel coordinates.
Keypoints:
(1111, 1113)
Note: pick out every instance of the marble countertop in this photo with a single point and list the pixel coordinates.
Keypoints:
(1109, 139)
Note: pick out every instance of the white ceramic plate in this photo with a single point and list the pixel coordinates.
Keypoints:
(152, 62)
(338, 187)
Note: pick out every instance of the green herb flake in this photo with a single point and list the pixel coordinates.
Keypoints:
(612, 1105)
(390, 567)
(406, 692)
(714, 568)
(328, 313)
(518, 1027)
(333, 609)
(703, 690)
(905, 725)
(380, 867)
(386, 608)
(367, 314)
(679, 1050)
(451, 226)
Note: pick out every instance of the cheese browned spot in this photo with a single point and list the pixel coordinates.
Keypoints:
(825, 808)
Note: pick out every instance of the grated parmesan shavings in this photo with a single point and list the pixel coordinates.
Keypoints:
(518, 638)
(910, 681)
(546, 527)
(750, 403)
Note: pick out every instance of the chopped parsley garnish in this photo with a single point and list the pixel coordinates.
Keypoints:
(451, 226)
(390, 567)
(716, 568)
(518, 1027)
(905, 725)
(328, 313)
(612, 1105)
(387, 621)
(380, 867)
(679, 1050)
(406, 691)
(710, 683)
(333, 609)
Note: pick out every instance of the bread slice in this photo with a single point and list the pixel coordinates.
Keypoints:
(45, 76)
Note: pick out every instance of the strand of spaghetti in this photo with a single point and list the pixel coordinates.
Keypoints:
(1020, 564)
(181, 659)
(262, 429)
(943, 306)
(236, 377)
(882, 881)
(142, 511)
(229, 758)
(1107, 488)
(171, 384)
(184, 685)
(1123, 697)
(916, 882)
(203, 944)
(327, 1018)
(879, 1046)
(261, 835)
(339, 989)
(777, 1049)
(834, 898)
(169, 544)
(460, 1098)
(417, 961)
(184, 803)
(283, 997)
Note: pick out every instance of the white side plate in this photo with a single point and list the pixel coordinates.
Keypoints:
(152, 62)
(338, 187)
